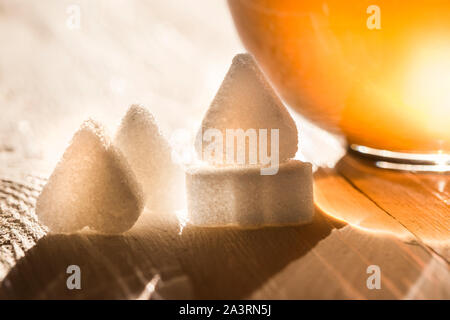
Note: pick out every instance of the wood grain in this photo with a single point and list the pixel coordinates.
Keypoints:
(327, 259)
(337, 197)
(406, 198)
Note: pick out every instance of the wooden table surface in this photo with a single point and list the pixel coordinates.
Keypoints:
(365, 216)
(52, 78)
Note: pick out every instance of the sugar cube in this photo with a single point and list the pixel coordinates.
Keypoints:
(247, 102)
(241, 196)
(92, 186)
(149, 155)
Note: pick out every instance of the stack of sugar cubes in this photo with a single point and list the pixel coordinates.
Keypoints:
(246, 143)
(105, 184)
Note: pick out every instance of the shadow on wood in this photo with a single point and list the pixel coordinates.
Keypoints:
(218, 263)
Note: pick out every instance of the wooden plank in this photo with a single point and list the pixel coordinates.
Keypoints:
(326, 259)
(337, 269)
(438, 184)
(112, 267)
(404, 198)
(335, 196)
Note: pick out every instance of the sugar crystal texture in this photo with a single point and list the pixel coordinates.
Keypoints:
(241, 196)
(245, 101)
(92, 185)
(149, 154)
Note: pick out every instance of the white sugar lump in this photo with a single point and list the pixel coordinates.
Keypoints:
(149, 155)
(241, 196)
(92, 186)
(246, 101)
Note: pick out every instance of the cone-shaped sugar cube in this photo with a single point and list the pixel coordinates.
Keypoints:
(149, 154)
(92, 185)
(245, 102)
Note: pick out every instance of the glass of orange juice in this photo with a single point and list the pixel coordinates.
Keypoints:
(376, 71)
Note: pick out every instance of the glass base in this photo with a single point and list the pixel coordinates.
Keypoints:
(427, 162)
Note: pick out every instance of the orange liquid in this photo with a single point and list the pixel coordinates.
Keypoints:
(385, 88)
